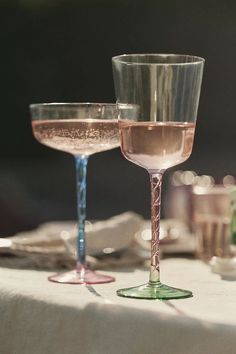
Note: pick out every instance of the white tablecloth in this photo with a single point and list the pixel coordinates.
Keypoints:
(39, 317)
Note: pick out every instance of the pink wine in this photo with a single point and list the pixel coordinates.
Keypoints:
(156, 145)
(78, 137)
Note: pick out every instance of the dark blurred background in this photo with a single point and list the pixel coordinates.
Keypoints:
(61, 51)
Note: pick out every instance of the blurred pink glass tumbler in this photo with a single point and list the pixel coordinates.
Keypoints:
(211, 219)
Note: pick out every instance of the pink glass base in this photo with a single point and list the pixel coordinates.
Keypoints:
(80, 276)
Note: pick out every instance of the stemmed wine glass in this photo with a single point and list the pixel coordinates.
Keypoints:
(166, 88)
(80, 129)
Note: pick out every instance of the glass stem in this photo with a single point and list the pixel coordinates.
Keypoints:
(81, 171)
(156, 182)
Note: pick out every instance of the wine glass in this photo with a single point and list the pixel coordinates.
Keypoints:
(80, 129)
(166, 88)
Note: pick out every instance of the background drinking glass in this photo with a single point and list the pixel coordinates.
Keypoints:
(166, 88)
(211, 219)
(80, 129)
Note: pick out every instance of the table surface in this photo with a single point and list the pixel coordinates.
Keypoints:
(40, 317)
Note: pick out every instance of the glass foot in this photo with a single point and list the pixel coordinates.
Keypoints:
(154, 291)
(80, 276)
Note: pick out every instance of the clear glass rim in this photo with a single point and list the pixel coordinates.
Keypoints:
(59, 105)
(194, 59)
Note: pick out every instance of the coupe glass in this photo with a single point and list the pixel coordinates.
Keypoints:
(166, 88)
(80, 129)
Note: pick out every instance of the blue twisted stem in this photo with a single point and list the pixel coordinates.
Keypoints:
(81, 170)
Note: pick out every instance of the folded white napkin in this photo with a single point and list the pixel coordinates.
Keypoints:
(54, 244)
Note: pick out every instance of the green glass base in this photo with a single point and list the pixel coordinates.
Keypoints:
(154, 291)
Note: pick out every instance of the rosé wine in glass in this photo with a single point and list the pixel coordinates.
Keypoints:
(157, 145)
(78, 137)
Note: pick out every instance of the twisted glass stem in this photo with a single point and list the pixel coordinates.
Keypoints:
(81, 171)
(156, 182)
